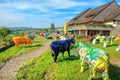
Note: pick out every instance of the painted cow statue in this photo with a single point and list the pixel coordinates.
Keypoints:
(117, 38)
(61, 46)
(95, 59)
(32, 37)
(21, 40)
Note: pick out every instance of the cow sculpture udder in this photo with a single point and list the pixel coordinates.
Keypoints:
(21, 40)
(61, 46)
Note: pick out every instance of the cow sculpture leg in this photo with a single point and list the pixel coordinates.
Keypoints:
(55, 58)
(82, 53)
(68, 52)
(62, 54)
(105, 73)
(55, 55)
(92, 72)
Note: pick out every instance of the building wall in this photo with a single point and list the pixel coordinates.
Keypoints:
(116, 31)
(113, 23)
(109, 23)
(91, 30)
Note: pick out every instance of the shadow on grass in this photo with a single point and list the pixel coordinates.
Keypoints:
(66, 58)
(114, 72)
(113, 45)
(71, 58)
(37, 41)
(35, 45)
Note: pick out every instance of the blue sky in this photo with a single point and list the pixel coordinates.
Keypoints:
(41, 13)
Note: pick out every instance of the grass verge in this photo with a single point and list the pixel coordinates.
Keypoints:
(22, 49)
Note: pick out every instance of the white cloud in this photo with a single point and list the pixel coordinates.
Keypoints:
(10, 11)
(23, 6)
(118, 3)
(9, 16)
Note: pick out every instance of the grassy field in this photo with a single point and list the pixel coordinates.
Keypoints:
(43, 68)
(66, 68)
(16, 51)
(110, 49)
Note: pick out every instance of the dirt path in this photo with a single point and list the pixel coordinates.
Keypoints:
(115, 62)
(9, 71)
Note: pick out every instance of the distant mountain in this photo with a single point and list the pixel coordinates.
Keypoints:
(19, 28)
(25, 28)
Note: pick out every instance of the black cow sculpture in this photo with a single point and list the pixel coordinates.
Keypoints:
(61, 46)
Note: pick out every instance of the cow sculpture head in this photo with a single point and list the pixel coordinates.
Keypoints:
(72, 40)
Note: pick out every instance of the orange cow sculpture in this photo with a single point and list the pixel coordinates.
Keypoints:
(21, 40)
(117, 38)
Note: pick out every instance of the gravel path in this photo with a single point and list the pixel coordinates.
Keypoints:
(10, 69)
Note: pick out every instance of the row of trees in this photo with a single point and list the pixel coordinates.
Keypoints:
(6, 34)
(5, 31)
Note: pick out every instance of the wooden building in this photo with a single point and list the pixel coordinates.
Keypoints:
(104, 20)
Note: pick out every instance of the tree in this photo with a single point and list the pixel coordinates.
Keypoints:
(45, 30)
(4, 32)
(52, 27)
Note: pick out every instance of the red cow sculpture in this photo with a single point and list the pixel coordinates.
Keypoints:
(21, 40)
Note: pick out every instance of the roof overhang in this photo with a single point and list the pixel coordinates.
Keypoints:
(92, 28)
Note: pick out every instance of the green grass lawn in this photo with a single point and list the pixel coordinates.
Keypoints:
(43, 68)
(66, 68)
(110, 49)
(16, 51)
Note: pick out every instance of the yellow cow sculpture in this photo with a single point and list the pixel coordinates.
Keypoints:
(21, 40)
